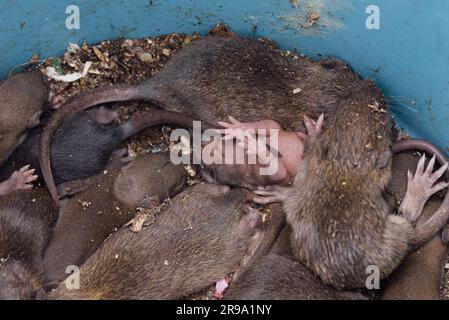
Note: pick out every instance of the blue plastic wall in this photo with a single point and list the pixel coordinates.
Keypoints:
(408, 56)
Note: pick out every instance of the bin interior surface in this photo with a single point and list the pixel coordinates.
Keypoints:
(408, 56)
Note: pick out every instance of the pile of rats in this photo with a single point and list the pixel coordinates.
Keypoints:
(92, 206)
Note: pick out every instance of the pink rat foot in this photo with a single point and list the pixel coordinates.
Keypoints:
(220, 288)
(19, 180)
(270, 194)
(420, 188)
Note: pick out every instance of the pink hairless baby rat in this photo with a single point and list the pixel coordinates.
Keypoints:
(286, 152)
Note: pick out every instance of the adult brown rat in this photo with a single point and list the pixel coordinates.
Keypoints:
(26, 219)
(22, 100)
(86, 219)
(201, 238)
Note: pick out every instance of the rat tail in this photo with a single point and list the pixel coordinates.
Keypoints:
(421, 145)
(145, 120)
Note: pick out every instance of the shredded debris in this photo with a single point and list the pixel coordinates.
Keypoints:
(86, 67)
(312, 19)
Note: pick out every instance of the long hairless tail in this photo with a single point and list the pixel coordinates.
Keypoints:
(422, 145)
(148, 119)
(97, 96)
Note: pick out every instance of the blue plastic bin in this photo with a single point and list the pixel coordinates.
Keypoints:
(402, 44)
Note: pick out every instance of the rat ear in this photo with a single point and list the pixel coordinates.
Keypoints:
(384, 159)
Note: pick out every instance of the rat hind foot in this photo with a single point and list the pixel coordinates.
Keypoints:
(420, 188)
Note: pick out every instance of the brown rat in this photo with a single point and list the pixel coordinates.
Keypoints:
(201, 238)
(86, 219)
(26, 219)
(22, 100)
(419, 275)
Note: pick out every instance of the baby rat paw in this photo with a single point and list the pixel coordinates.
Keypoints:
(231, 128)
(420, 188)
(270, 194)
(22, 179)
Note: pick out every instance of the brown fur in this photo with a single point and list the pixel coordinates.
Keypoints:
(22, 98)
(277, 276)
(341, 223)
(201, 238)
(26, 218)
(89, 217)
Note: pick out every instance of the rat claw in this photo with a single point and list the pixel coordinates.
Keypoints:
(26, 168)
(309, 124)
(224, 124)
(409, 176)
(439, 173)
(440, 186)
(234, 121)
(421, 163)
(31, 179)
(430, 166)
(320, 123)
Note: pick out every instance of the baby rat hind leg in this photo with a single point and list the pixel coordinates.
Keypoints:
(19, 180)
(420, 188)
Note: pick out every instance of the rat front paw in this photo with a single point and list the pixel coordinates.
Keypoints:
(270, 194)
(22, 179)
(420, 188)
